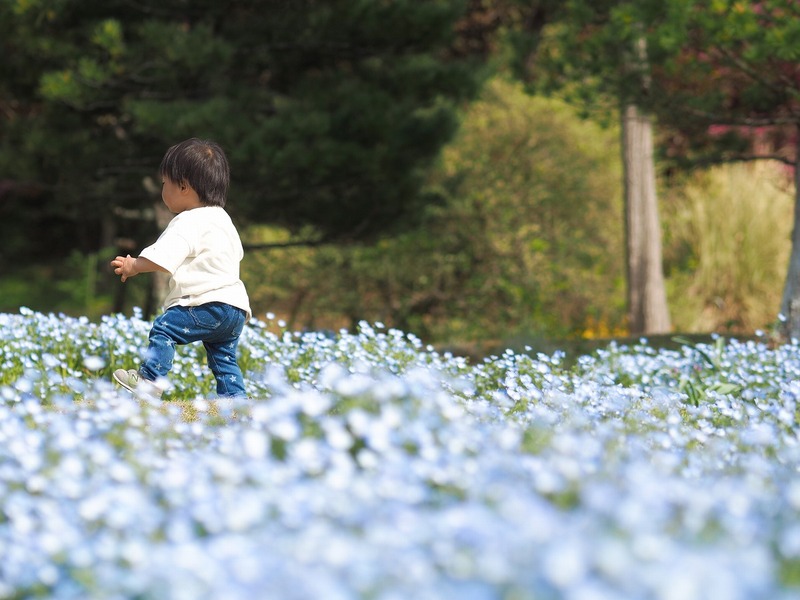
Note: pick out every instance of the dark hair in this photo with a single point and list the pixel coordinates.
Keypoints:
(203, 165)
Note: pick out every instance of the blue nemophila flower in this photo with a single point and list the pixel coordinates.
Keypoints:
(367, 464)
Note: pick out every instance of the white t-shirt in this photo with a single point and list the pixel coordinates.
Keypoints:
(201, 250)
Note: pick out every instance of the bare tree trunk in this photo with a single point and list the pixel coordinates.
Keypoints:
(790, 303)
(647, 298)
(158, 288)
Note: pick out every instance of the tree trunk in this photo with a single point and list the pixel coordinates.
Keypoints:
(790, 303)
(647, 298)
(159, 283)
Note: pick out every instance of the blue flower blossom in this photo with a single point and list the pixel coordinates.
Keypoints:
(367, 464)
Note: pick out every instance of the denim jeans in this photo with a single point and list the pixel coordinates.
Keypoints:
(216, 324)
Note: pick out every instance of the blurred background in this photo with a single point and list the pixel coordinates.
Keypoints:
(453, 168)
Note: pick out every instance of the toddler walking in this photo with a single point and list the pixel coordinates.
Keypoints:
(201, 250)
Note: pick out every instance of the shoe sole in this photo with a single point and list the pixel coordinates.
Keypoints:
(123, 384)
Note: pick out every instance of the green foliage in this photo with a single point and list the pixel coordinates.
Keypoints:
(720, 78)
(708, 376)
(74, 285)
(331, 112)
(514, 250)
(589, 54)
(700, 64)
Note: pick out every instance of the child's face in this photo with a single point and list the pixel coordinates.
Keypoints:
(178, 196)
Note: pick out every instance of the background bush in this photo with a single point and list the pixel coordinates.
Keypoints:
(513, 246)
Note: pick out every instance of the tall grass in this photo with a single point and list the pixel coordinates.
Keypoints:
(727, 244)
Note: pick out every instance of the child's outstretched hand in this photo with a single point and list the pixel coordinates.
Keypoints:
(124, 266)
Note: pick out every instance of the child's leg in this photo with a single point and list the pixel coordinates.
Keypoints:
(174, 326)
(221, 345)
(218, 325)
(222, 362)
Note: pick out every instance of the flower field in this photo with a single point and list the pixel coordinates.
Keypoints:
(366, 465)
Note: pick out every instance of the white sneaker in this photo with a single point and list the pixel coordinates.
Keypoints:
(132, 381)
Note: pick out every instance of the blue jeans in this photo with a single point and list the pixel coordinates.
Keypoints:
(216, 324)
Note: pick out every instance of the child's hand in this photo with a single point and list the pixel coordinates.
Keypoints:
(124, 266)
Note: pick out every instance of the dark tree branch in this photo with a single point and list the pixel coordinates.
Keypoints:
(289, 244)
(716, 119)
(749, 70)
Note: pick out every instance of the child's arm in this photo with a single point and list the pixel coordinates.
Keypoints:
(127, 266)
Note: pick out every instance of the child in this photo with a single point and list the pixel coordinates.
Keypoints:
(201, 251)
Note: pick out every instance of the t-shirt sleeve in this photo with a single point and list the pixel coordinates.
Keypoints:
(169, 251)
